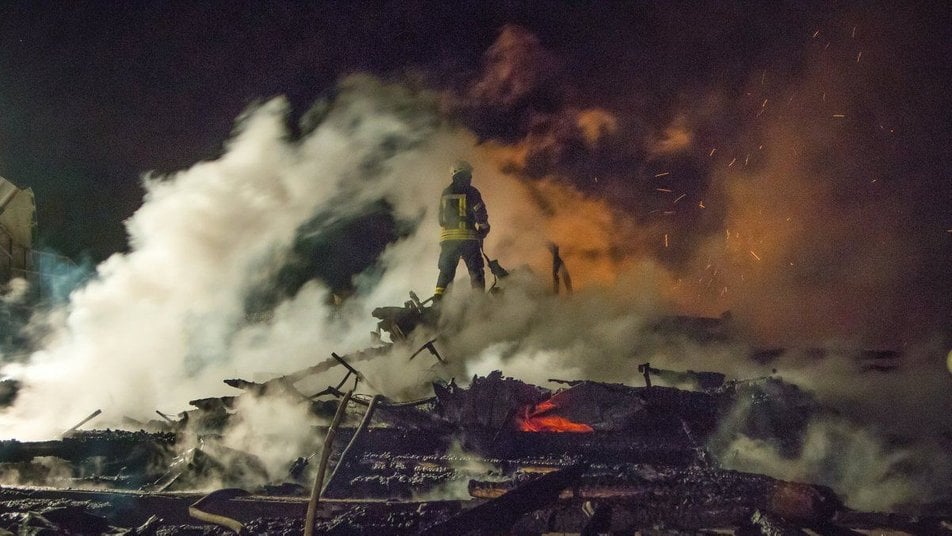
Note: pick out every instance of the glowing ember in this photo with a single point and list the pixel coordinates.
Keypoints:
(540, 418)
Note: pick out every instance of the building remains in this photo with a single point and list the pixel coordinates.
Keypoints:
(17, 225)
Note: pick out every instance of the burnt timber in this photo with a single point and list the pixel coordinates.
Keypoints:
(462, 462)
(494, 456)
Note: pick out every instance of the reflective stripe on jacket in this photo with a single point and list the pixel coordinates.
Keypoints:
(462, 213)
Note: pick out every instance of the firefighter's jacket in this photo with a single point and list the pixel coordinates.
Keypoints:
(463, 214)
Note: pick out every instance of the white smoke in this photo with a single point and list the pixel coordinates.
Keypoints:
(854, 461)
(165, 323)
(159, 325)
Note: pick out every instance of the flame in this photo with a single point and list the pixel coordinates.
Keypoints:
(535, 419)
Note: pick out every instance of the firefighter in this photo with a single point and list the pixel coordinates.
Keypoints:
(464, 223)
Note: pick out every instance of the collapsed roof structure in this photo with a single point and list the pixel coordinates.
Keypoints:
(494, 456)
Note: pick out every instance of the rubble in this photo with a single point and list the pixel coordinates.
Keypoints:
(495, 455)
(626, 459)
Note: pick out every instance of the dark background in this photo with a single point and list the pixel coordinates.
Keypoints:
(94, 94)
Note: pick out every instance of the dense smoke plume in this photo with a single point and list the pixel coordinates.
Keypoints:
(166, 322)
(760, 201)
(784, 194)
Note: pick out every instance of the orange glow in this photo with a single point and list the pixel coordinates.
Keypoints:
(536, 419)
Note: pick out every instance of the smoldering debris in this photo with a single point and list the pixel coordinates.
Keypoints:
(496, 455)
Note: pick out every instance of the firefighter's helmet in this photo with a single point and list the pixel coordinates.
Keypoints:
(461, 168)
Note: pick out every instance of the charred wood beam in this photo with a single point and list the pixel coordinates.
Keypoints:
(570, 383)
(136, 508)
(645, 368)
(364, 423)
(91, 416)
(868, 521)
(498, 515)
(244, 385)
(325, 456)
(829, 529)
(294, 377)
(114, 444)
(428, 345)
(214, 404)
(335, 360)
(166, 417)
(341, 360)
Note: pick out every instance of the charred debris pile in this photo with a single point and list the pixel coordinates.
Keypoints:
(496, 456)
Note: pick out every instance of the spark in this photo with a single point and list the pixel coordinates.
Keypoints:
(754, 254)
(747, 160)
(723, 292)
(839, 116)
(764, 105)
(816, 33)
(701, 204)
(665, 239)
(663, 190)
(763, 77)
(732, 162)
(712, 152)
(663, 174)
(854, 33)
(859, 55)
(680, 197)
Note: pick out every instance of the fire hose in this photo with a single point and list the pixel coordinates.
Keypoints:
(195, 509)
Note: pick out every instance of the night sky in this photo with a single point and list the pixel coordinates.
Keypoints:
(95, 94)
